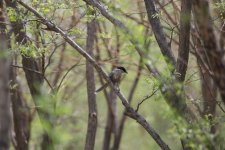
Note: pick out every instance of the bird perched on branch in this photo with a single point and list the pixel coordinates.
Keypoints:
(115, 76)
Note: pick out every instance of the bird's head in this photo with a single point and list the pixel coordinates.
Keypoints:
(122, 68)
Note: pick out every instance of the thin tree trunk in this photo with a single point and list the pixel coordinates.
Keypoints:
(5, 115)
(158, 32)
(92, 117)
(208, 86)
(108, 130)
(112, 122)
(209, 94)
(212, 50)
(184, 40)
(21, 114)
(183, 51)
(34, 79)
(109, 122)
(115, 123)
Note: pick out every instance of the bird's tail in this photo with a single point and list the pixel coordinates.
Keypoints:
(101, 88)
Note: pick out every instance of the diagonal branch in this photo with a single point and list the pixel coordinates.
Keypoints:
(168, 88)
(147, 97)
(130, 111)
(158, 32)
(126, 30)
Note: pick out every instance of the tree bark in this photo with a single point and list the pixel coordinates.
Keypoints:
(158, 32)
(208, 86)
(21, 114)
(33, 75)
(108, 130)
(184, 40)
(213, 52)
(5, 114)
(92, 117)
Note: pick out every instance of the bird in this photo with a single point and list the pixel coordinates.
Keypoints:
(115, 77)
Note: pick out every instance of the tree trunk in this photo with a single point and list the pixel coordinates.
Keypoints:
(5, 115)
(33, 75)
(212, 50)
(92, 117)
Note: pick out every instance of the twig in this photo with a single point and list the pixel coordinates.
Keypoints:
(171, 36)
(67, 74)
(27, 69)
(49, 84)
(147, 97)
(219, 104)
(50, 56)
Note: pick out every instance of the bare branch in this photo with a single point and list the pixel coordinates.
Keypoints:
(147, 97)
(130, 111)
(126, 30)
(168, 89)
(35, 71)
(71, 68)
(158, 32)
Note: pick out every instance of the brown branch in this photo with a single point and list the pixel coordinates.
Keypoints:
(146, 24)
(131, 37)
(130, 111)
(35, 71)
(184, 40)
(168, 15)
(146, 98)
(168, 88)
(117, 141)
(67, 72)
(28, 69)
(73, 23)
(59, 66)
(158, 32)
(104, 40)
(51, 55)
